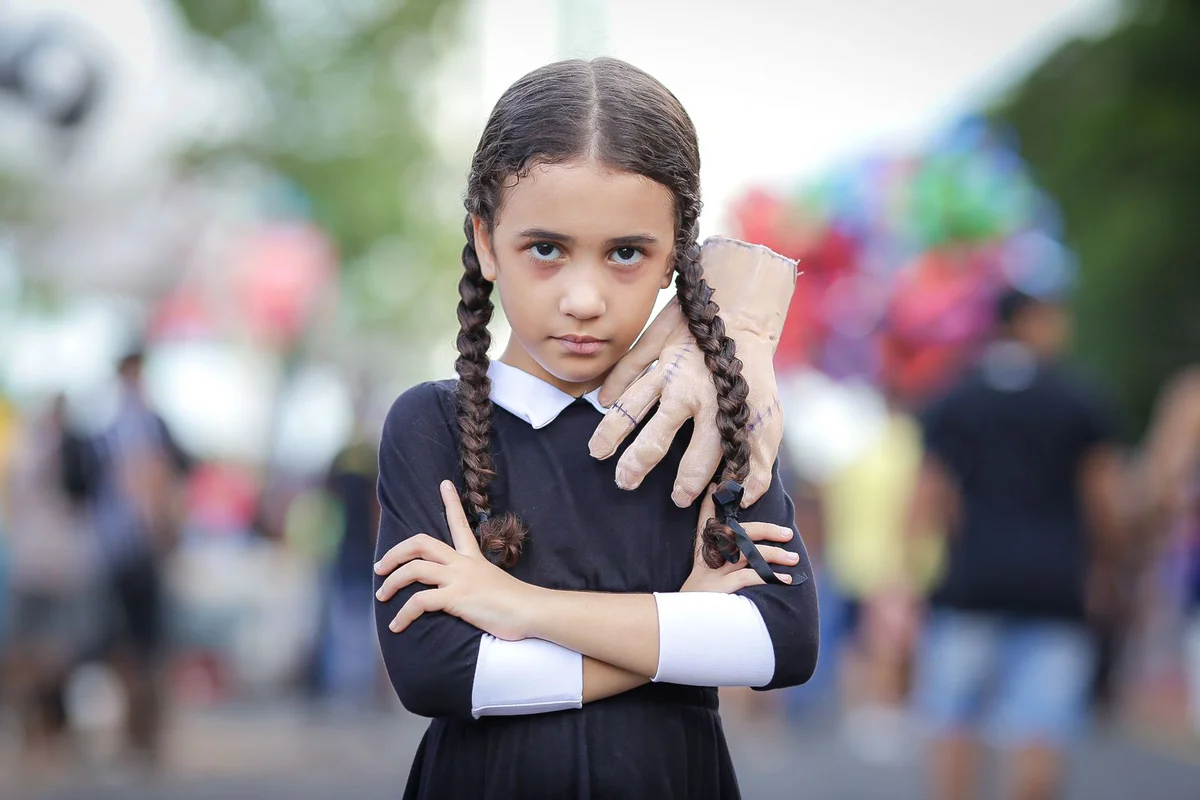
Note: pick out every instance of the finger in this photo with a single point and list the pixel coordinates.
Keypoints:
(766, 532)
(744, 578)
(708, 508)
(418, 604)
(421, 546)
(456, 518)
(647, 350)
(426, 572)
(650, 446)
(762, 464)
(778, 555)
(740, 579)
(698, 466)
(625, 414)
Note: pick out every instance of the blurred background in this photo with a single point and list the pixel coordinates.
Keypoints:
(229, 235)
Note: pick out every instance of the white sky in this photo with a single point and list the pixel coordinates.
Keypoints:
(780, 90)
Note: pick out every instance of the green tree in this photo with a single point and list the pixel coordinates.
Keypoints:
(1110, 128)
(346, 90)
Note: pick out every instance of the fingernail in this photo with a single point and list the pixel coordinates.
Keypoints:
(393, 627)
(625, 480)
(379, 595)
(681, 497)
(793, 557)
(379, 567)
(784, 578)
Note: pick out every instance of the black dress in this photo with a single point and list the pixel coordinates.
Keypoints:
(658, 741)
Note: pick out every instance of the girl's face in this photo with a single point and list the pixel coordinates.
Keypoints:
(578, 253)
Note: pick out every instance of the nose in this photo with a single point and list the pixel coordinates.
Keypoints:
(582, 298)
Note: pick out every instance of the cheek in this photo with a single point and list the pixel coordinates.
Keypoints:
(634, 302)
(523, 295)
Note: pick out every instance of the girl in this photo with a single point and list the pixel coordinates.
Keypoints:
(554, 590)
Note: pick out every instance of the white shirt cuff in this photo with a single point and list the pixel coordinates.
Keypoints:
(710, 639)
(530, 676)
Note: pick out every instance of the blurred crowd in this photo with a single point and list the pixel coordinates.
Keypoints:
(134, 577)
(998, 569)
(995, 567)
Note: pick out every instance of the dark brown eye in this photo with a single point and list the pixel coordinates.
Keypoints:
(627, 256)
(545, 251)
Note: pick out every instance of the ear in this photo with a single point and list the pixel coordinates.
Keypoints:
(483, 249)
(666, 281)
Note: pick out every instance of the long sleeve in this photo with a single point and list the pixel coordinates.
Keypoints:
(432, 663)
(788, 610)
(712, 639)
(705, 639)
(763, 637)
(530, 676)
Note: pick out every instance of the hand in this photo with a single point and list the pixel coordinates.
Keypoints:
(728, 578)
(468, 586)
(682, 387)
(753, 287)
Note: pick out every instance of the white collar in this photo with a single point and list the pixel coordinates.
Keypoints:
(530, 398)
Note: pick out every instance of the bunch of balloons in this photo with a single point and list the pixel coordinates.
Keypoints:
(904, 256)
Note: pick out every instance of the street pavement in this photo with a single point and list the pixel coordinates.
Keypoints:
(299, 753)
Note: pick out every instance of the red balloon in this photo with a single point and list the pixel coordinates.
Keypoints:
(280, 272)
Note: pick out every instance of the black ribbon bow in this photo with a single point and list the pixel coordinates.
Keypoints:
(728, 500)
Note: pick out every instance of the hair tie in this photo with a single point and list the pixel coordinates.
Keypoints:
(728, 500)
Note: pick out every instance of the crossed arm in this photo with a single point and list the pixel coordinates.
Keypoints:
(448, 646)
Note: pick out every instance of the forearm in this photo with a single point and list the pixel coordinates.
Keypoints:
(1102, 489)
(692, 638)
(601, 680)
(618, 629)
(753, 286)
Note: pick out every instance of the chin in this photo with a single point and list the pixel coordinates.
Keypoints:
(578, 369)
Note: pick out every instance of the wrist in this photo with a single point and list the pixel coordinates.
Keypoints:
(753, 286)
(534, 609)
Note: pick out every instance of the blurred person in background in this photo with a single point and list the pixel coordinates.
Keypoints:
(52, 580)
(136, 515)
(1022, 472)
(866, 504)
(350, 665)
(1168, 485)
(8, 431)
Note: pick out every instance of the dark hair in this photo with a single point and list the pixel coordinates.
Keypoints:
(610, 111)
(133, 357)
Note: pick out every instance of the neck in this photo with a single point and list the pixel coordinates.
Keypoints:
(516, 356)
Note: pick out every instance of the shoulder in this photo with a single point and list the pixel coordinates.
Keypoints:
(954, 400)
(1076, 387)
(1087, 398)
(422, 418)
(432, 399)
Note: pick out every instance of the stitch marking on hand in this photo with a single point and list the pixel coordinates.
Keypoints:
(762, 416)
(670, 369)
(620, 409)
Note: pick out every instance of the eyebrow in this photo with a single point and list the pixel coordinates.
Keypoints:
(541, 234)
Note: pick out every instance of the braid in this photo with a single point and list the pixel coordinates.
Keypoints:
(720, 354)
(500, 539)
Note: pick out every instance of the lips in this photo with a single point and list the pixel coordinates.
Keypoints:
(580, 345)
